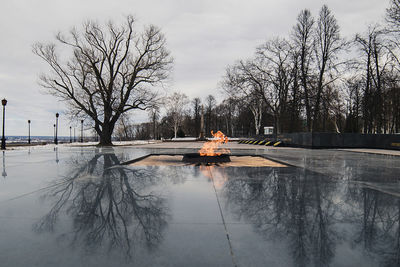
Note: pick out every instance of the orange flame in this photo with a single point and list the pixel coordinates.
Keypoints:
(209, 148)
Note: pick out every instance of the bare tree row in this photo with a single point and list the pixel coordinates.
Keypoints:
(314, 80)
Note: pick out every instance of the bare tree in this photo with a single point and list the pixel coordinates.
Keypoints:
(227, 112)
(196, 102)
(376, 63)
(124, 129)
(365, 47)
(111, 71)
(241, 83)
(317, 45)
(393, 15)
(327, 45)
(256, 106)
(176, 108)
(210, 107)
(154, 116)
(354, 87)
(303, 39)
(275, 67)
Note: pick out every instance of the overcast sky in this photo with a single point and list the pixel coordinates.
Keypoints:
(204, 36)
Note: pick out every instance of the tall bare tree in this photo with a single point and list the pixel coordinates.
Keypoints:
(354, 95)
(303, 39)
(228, 109)
(327, 46)
(154, 116)
(274, 63)
(377, 63)
(175, 105)
(242, 82)
(210, 105)
(196, 102)
(124, 129)
(112, 70)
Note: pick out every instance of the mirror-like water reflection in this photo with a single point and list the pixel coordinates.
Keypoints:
(315, 215)
(108, 205)
(85, 209)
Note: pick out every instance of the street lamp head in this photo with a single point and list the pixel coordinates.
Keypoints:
(29, 121)
(4, 102)
(57, 115)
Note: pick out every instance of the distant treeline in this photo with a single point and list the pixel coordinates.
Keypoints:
(315, 80)
(311, 80)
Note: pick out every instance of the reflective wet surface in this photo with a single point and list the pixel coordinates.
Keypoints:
(81, 207)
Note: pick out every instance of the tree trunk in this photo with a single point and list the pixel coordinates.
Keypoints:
(105, 139)
(227, 125)
(277, 129)
(175, 129)
(105, 134)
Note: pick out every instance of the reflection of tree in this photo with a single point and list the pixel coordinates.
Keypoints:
(378, 217)
(109, 205)
(283, 204)
(308, 211)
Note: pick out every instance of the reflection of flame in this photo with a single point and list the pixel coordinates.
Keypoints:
(209, 148)
(216, 175)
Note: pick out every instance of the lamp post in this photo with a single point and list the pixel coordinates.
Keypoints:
(3, 139)
(29, 131)
(70, 134)
(81, 131)
(56, 129)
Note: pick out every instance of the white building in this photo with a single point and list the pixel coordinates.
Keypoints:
(268, 130)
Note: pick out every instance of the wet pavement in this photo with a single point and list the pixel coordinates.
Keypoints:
(81, 207)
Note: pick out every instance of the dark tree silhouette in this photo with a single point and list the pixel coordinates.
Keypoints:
(303, 39)
(110, 72)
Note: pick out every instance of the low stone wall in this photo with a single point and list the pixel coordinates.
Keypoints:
(335, 140)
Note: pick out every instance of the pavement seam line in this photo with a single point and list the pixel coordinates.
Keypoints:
(223, 220)
(32, 192)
